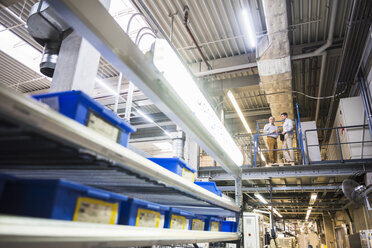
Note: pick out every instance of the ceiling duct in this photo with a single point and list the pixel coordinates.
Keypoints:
(273, 59)
(48, 29)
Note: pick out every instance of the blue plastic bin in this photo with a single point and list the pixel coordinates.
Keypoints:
(210, 186)
(178, 219)
(60, 199)
(3, 179)
(198, 222)
(176, 165)
(213, 223)
(143, 213)
(229, 226)
(85, 110)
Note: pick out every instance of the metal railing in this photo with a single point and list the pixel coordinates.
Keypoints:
(298, 150)
(342, 147)
(297, 131)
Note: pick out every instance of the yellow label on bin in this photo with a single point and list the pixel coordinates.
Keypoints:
(103, 127)
(178, 222)
(95, 211)
(147, 218)
(214, 226)
(197, 225)
(187, 174)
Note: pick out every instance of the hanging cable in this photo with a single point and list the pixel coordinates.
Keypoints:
(311, 97)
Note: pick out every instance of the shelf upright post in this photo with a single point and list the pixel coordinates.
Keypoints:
(238, 192)
(273, 235)
(118, 95)
(239, 202)
(255, 150)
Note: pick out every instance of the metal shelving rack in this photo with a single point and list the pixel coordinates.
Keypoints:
(36, 141)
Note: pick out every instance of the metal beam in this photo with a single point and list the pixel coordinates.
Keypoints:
(285, 188)
(248, 113)
(304, 204)
(300, 213)
(320, 170)
(149, 139)
(116, 46)
(148, 125)
(216, 91)
(241, 62)
(231, 83)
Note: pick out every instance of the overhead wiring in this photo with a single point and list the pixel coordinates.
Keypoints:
(308, 96)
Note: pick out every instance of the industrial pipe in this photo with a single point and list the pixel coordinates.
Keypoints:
(324, 57)
(185, 20)
(348, 44)
(305, 188)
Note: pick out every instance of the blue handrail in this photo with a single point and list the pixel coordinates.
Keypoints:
(300, 135)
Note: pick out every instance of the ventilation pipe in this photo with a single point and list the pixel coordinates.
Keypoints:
(274, 66)
(48, 29)
(273, 59)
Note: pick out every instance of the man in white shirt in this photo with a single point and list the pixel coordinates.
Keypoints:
(272, 133)
(288, 136)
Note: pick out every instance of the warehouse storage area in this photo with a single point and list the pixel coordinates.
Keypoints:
(186, 123)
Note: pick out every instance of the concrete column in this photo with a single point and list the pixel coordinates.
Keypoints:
(329, 232)
(77, 64)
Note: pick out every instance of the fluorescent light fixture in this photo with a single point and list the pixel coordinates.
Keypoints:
(308, 213)
(167, 62)
(106, 87)
(277, 213)
(313, 196)
(167, 133)
(260, 197)
(261, 211)
(237, 109)
(248, 24)
(144, 116)
(165, 146)
(241, 116)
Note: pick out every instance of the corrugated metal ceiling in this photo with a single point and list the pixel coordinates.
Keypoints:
(19, 77)
(216, 25)
(309, 20)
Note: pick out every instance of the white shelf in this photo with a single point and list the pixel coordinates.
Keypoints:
(27, 232)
